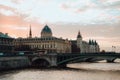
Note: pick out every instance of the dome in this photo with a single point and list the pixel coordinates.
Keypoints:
(46, 29)
(46, 32)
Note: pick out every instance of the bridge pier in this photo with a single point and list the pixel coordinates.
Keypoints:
(44, 61)
(40, 63)
(62, 66)
(110, 60)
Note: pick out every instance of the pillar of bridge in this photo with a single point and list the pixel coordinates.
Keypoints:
(110, 60)
(53, 60)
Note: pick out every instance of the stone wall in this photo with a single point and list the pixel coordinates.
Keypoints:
(14, 62)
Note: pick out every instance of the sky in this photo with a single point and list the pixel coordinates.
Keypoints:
(96, 19)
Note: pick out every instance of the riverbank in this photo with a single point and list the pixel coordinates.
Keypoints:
(16, 62)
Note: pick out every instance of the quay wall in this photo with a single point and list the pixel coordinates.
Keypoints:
(14, 62)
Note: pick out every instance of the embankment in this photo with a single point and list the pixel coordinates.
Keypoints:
(14, 62)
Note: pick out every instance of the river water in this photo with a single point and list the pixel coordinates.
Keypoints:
(81, 71)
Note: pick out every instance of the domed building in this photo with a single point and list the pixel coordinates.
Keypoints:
(50, 44)
(46, 32)
(46, 42)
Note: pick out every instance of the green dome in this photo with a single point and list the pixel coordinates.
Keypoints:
(4, 35)
(46, 29)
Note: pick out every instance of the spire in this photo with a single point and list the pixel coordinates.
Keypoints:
(93, 43)
(96, 43)
(90, 42)
(79, 35)
(30, 33)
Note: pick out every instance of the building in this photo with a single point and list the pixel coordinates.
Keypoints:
(6, 43)
(50, 44)
(81, 46)
(46, 42)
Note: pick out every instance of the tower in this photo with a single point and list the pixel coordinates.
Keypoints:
(30, 33)
(46, 32)
(97, 49)
(79, 42)
(90, 45)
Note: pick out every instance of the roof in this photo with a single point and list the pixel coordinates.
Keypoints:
(91, 42)
(46, 29)
(46, 38)
(73, 41)
(4, 35)
(84, 42)
(79, 35)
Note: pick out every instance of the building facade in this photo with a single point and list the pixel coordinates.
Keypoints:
(6, 43)
(81, 46)
(50, 44)
(46, 42)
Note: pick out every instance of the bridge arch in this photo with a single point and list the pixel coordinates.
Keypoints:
(111, 60)
(89, 59)
(40, 62)
(70, 60)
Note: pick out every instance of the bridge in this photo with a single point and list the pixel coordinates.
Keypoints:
(62, 59)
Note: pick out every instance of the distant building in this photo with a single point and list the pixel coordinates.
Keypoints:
(6, 43)
(81, 46)
(50, 44)
(45, 42)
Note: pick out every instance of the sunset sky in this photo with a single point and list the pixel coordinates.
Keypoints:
(96, 19)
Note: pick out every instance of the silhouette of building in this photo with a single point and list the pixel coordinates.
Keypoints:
(50, 44)
(6, 43)
(46, 42)
(81, 46)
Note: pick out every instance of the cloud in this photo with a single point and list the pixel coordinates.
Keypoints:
(7, 10)
(17, 1)
(16, 23)
(93, 30)
(88, 4)
(106, 3)
(96, 19)
(64, 6)
(106, 35)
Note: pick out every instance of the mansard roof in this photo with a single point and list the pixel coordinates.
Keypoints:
(4, 35)
(42, 39)
(91, 42)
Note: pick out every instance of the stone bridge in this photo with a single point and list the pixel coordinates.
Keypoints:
(61, 59)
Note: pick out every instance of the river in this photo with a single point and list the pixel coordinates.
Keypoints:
(81, 71)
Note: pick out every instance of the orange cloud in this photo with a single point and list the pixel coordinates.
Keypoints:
(17, 24)
(7, 8)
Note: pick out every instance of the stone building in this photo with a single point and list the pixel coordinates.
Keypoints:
(81, 46)
(6, 43)
(46, 42)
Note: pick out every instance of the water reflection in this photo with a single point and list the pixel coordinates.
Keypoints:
(83, 71)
